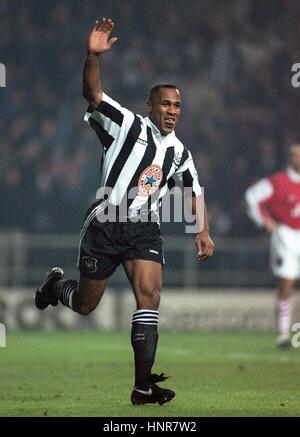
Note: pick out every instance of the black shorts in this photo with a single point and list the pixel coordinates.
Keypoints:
(105, 245)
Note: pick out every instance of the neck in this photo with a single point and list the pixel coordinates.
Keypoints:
(157, 127)
(153, 121)
(294, 174)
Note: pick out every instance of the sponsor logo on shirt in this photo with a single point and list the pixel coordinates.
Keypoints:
(141, 141)
(177, 158)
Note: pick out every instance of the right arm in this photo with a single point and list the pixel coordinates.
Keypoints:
(107, 117)
(256, 197)
(98, 43)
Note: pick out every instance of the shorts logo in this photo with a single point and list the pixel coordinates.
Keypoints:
(90, 263)
(139, 337)
(150, 180)
(279, 261)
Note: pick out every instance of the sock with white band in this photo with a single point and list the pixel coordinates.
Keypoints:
(283, 318)
(144, 338)
(65, 290)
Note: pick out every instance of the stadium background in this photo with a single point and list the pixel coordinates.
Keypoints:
(232, 61)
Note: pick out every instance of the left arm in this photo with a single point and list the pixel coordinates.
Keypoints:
(188, 175)
(204, 244)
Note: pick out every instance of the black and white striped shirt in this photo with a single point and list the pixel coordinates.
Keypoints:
(138, 164)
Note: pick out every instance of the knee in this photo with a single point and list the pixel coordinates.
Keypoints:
(286, 287)
(85, 309)
(149, 298)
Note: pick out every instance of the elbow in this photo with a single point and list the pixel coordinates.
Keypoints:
(248, 198)
(85, 94)
(93, 99)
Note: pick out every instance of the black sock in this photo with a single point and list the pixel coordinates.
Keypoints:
(65, 290)
(144, 338)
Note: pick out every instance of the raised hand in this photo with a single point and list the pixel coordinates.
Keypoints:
(98, 41)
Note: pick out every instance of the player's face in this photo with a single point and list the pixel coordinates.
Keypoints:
(164, 110)
(294, 157)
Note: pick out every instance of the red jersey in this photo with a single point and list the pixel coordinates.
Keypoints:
(277, 196)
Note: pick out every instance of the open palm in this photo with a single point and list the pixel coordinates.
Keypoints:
(99, 41)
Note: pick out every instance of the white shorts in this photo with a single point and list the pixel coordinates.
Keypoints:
(285, 252)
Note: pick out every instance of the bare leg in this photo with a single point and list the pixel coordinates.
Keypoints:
(89, 294)
(84, 297)
(285, 289)
(145, 279)
(283, 310)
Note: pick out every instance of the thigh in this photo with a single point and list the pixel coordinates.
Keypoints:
(97, 267)
(145, 278)
(90, 292)
(142, 241)
(97, 260)
(283, 259)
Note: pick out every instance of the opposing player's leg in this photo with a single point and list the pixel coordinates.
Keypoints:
(145, 279)
(283, 311)
(285, 266)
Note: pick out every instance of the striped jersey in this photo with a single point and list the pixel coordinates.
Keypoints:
(138, 164)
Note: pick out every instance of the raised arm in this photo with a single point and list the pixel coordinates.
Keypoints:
(98, 43)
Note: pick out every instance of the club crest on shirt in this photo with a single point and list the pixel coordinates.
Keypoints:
(150, 180)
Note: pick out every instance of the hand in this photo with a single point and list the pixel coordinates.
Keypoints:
(204, 246)
(98, 41)
(271, 225)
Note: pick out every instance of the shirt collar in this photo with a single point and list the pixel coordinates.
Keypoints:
(293, 175)
(157, 133)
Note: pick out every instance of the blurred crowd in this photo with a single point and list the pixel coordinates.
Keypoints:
(231, 59)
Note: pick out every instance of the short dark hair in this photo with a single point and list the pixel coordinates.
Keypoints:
(153, 90)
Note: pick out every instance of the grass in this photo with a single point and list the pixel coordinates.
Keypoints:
(90, 374)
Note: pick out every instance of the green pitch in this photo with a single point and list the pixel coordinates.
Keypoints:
(90, 374)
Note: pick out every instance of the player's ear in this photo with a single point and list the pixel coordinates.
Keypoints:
(149, 106)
